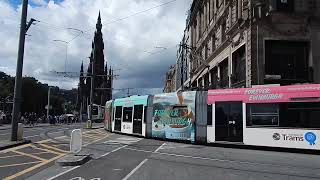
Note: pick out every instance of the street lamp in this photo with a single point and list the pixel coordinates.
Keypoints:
(65, 63)
(48, 106)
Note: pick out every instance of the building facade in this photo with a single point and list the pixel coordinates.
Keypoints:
(98, 72)
(170, 80)
(240, 43)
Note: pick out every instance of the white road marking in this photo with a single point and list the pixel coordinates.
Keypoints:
(60, 174)
(122, 140)
(206, 158)
(160, 147)
(135, 169)
(116, 169)
(114, 150)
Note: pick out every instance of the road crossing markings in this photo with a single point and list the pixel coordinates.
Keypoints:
(19, 164)
(53, 148)
(33, 168)
(29, 155)
(96, 140)
(90, 136)
(44, 146)
(14, 148)
(47, 150)
(19, 155)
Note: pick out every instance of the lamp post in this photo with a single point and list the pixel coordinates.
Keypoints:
(48, 106)
(67, 43)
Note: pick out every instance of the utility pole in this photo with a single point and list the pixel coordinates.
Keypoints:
(128, 91)
(181, 66)
(18, 80)
(48, 106)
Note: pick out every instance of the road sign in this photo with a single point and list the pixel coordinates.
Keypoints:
(76, 141)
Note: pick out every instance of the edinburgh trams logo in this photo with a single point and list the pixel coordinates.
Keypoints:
(311, 138)
(276, 136)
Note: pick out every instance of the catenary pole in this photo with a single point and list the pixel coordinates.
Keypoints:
(18, 79)
(48, 106)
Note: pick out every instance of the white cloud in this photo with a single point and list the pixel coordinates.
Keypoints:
(39, 2)
(128, 43)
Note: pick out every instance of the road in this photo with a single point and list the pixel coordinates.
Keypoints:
(49, 143)
(41, 131)
(128, 158)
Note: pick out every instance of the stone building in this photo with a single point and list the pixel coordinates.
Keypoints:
(102, 76)
(240, 43)
(183, 59)
(170, 80)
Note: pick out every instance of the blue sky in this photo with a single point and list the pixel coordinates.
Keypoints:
(16, 3)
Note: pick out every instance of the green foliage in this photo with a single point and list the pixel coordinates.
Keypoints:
(34, 95)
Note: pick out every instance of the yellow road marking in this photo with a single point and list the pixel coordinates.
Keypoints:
(29, 155)
(19, 164)
(15, 148)
(96, 140)
(32, 168)
(53, 148)
(101, 132)
(48, 150)
(18, 155)
(91, 136)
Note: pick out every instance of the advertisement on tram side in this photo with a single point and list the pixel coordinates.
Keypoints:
(174, 116)
(107, 115)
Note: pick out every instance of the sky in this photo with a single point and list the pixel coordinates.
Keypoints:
(140, 36)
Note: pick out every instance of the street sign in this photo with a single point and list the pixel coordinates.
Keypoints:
(76, 141)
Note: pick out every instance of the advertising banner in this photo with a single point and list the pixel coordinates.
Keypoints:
(266, 94)
(174, 116)
(289, 138)
(107, 115)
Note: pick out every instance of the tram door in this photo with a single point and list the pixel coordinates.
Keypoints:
(137, 119)
(228, 120)
(117, 118)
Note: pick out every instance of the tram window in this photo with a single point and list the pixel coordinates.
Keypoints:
(118, 112)
(95, 110)
(138, 112)
(145, 114)
(262, 114)
(127, 114)
(209, 115)
(300, 115)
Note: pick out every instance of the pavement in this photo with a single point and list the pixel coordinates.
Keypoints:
(125, 157)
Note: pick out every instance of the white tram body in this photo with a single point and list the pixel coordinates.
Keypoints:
(270, 116)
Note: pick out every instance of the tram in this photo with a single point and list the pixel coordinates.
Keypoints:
(273, 116)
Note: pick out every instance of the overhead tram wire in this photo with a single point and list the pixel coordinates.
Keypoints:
(136, 13)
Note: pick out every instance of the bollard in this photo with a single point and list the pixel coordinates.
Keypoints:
(20, 132)
(76, 141)
(89, 124)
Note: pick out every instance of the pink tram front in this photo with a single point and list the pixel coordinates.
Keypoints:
(275, 116)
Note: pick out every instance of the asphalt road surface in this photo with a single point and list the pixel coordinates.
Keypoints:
(126, 157)
(49, 143)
